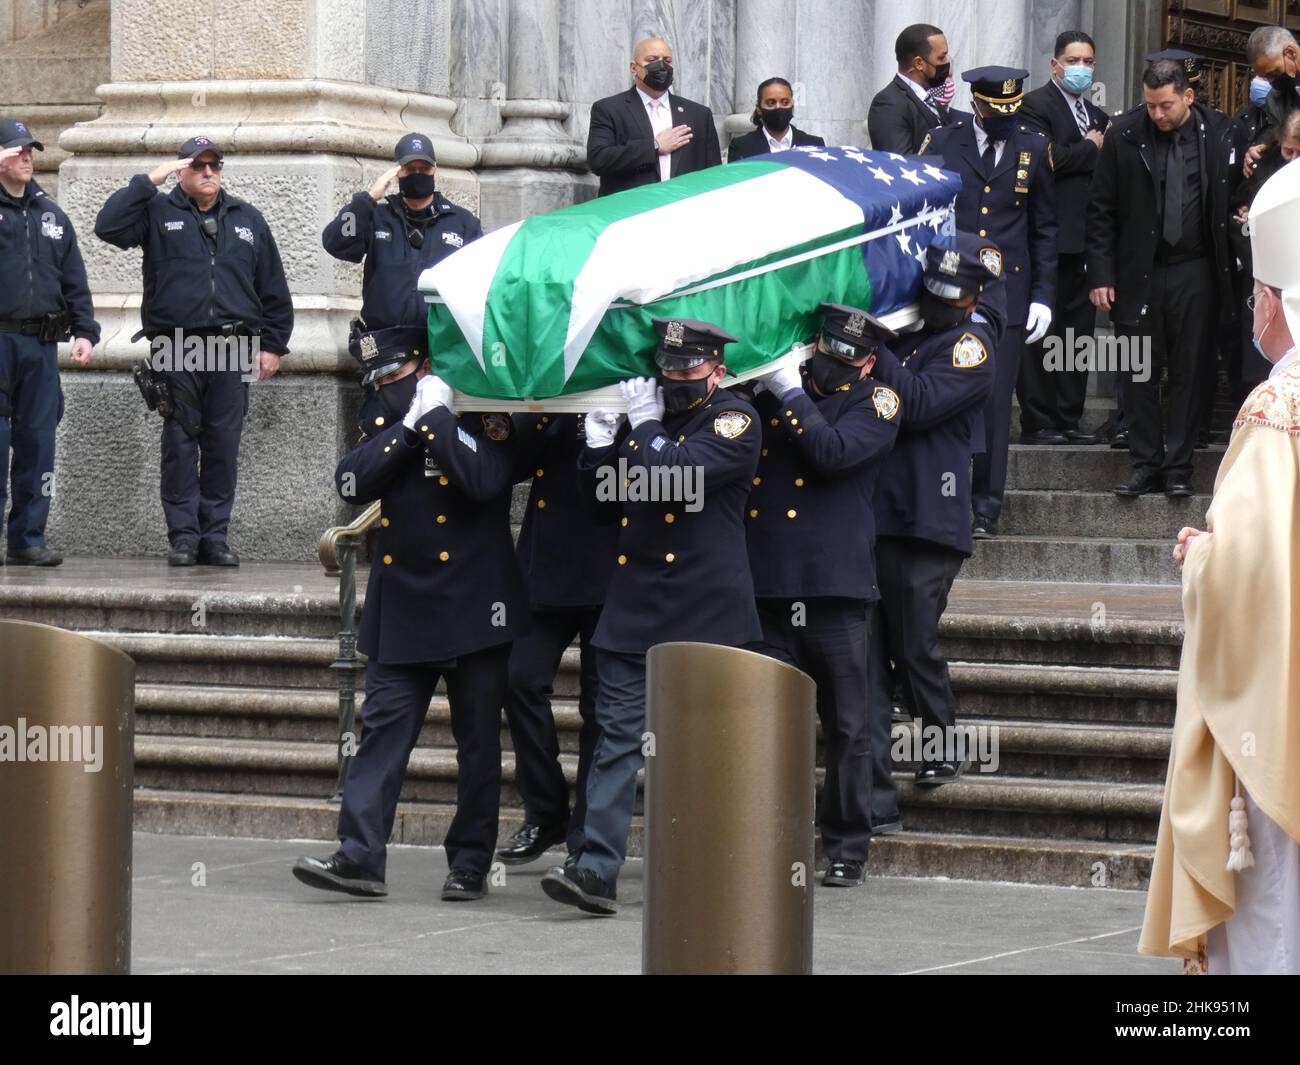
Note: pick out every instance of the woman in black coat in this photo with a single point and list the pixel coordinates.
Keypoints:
(772, 114)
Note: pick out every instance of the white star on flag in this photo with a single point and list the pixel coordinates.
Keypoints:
(936, 220)
(933, 171)
(895, 155)
(823, 155)
(920, 256)
(895, 214)
(910, 175)
(855, 155)
(806, 148)
(904, 241)
(881, 175)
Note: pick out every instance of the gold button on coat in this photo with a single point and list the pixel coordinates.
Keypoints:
(443, 556)
(388, 560)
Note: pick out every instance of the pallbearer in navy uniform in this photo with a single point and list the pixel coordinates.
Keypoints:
(566, 548)
(444, 600)
(942, 375)
(681, 571)
(1008, 196)
(811, 535)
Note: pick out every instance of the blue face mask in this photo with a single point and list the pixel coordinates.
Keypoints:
(1259, 90)
(1256, 340)
(1077, 79)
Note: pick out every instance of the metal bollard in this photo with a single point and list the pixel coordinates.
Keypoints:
(729, 809)
(66, 769)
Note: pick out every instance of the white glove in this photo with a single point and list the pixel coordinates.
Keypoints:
(1040, 317)
(431, 392)
(781, 380)
(601, 426)
(644, 398)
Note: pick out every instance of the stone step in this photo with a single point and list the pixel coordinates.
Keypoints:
(248, 661)
(1073, 863)
(1100, 515)
(1090, 469)
(1065, 559)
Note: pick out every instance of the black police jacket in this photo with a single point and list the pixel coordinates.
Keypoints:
(1013, 204)
(191, 281)
(41, 264)
(444, 580)
(377, 233)
(1124, 208)
(811, 528)
(568, 542)
(942, 382)
(681, 572)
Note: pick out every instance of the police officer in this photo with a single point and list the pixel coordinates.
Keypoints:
(443, 602)
(566, 547)
(810, 535)
(44, 297)
(1008, 196)
(681, 572)
(942, 375)
(213, 283)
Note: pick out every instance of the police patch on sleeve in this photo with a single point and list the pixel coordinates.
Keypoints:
(496, 426)
(731, 424)
(969, 351)
(885, 401)
(924, 145)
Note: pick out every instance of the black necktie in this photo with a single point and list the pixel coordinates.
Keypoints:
(1175, 183)
(989, 155)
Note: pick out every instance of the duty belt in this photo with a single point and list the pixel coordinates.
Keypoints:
(30, 327)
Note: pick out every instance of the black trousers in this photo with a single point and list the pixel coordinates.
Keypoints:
(1181, 332)
(1054, 399)
(989, 471)
(31, 406)
(534, 661)
(914, 577)
(827, 638)
(397, 699)
(198, 473)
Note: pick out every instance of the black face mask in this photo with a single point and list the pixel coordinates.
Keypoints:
(1284, 83)
(397, 396)
(682, 396)
(830, 374)
(939, 315)
(940, 75)
(416, 186)
(999, 127)
(658, 75)
(776, 119)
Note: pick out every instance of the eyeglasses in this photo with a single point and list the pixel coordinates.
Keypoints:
(199, 167)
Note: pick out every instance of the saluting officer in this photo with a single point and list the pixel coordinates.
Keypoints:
(44, 298)
(211, 271)
(1008, 196)
(566, 548)
(811, 534)
(444, 600)
(942, 375)
(681, 572)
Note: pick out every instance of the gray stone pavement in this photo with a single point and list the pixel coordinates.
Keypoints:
(250, 916)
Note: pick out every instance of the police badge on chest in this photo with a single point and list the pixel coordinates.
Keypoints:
(431, 467)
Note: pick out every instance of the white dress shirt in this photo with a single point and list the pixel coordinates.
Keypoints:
(982, 140)
(779, 144)
(661, 119)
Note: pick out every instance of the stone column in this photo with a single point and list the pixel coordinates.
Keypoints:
(1048, 19)
(765, 48)
(833, 44)
(283, 89)
(888, 19)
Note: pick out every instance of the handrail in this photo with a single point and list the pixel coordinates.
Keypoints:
(329, 539)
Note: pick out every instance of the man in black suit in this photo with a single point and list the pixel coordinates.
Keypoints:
(644, 134)
(773, 115)
(1273, 53)
(904, 111)
(1051, 400)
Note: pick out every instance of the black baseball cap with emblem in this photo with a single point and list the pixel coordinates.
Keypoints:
(14, 134)
(685, 343)
(414, 146)
(956, 273)
(381, 351)
(1190, 60)
(849, 333)
(1002, 88)
(197, 146)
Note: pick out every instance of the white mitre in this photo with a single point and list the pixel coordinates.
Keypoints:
(1275, 239)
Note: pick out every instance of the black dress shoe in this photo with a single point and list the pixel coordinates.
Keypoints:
(216, 553)
(982, 528)
(184, 554)
(933, 774)
(464, 885)
(575, 886)
(844, 874)
(1119, 442)
(1043, 436)
(337, 873)
(899, 715)
(571, 858)
(531, 842)
(887, 828)
(1178, 489)
(33, 556)
(1080, 438)
(1141, 484)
